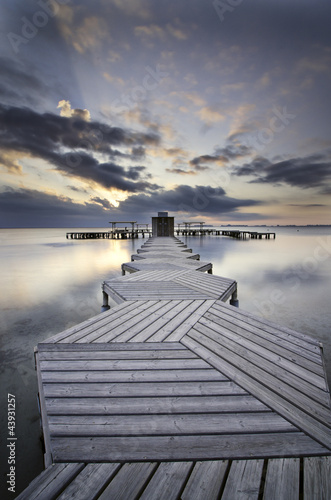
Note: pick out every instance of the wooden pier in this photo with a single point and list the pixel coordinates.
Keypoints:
(128, 234)
(115, 234)
(233, 233)
(174, 394)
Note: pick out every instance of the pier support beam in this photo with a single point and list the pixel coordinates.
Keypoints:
(105, 305)
(234, 299)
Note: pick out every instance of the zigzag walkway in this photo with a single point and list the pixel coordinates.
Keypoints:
(174, 394)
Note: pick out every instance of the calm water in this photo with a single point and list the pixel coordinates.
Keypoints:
(49, 283)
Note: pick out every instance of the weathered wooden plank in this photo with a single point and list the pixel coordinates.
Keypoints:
(165, 254)
(122, 406)
(164, 326)
(140, 346)
(171, 264)
(134, 406)
(43, 412)
(165, 322)
(138, 322)
(95, 321)
(267, 340)
(122, 364)
(243, 481)
(213, 285)
(179, 326)
(51, 482)
(167, 482)
(196, 375)
(279, 330)
(128, 322)
(272, 396)
(317, 478)
(205, 480)
(144, 389)
(177, 424)
(90, 482)
(151, 448)
(272, 376)
(119, 354)
(129, 481)
(110, 322)
(282, 479)
(268, 336)
(303, 380)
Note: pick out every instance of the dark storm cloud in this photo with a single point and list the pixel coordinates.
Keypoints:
(312, 171)
(102, 201)
(208, 159)
(47, 135)
(32, 208)
(204, 200)
(221, 155)
(108, 174)
(45, 210)
(15, 76)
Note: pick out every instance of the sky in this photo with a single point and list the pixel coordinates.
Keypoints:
(212, 110)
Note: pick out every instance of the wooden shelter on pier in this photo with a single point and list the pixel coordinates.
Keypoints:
(163, 225)
(174, 394)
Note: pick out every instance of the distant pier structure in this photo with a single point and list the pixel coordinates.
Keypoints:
(163, 225)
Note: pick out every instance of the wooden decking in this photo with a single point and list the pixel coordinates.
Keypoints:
(178, 284)
(167, 254)
(174, 394)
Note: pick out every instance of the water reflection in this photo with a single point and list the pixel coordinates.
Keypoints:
(42, 272)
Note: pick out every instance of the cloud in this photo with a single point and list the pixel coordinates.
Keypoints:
(209, 115)
(32, 208)
(70, 145)
(150, 31)
(176, 30)
(198, 200)
(138, 8)
(222, 156)
(19, 83)
(114, 79)
(103, 202)
(180, 171)
(154, 31)
(67, 111)
(9, 162)
(306, 205)
(219, 159)
(311, 172)
(88, 35)
(193, 97)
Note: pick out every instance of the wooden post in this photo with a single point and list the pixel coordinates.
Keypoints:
(234, 299)
(105, 306)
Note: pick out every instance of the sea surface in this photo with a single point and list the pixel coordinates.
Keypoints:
(49, 283)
